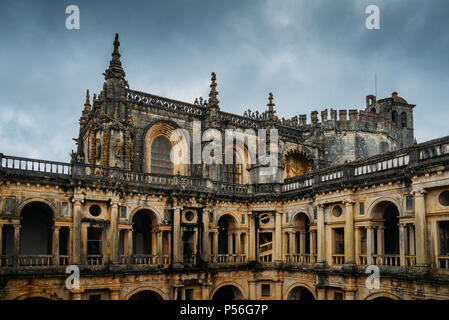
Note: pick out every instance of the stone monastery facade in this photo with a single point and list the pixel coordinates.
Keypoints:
(352, 189)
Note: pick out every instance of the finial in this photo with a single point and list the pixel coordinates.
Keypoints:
(87, 103)
(213, 92)
(116, 44)
(270, 103)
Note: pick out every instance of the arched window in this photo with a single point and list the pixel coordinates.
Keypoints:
(296, 164)
(160, 156)
(394, 117)
(373, 110)
(403, 120)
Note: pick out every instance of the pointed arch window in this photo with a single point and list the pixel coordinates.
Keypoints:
(160, 156)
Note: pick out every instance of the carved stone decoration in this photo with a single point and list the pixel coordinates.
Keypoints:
(106, 148)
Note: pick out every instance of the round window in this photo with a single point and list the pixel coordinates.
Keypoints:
(443, 198)
(337, 211)
(95, 210)
(189, 215)
(265, 218)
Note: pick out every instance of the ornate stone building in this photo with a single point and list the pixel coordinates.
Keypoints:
(350, 191)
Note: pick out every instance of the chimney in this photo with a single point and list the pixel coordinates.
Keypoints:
(324, 115)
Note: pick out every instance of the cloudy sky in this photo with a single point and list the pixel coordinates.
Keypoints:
(312, 54)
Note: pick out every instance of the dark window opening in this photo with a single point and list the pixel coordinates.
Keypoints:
(94, 238)
(339, 240)
(266, 290)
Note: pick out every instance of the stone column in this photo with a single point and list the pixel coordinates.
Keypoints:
(16, 262)
(302, 249)
(321, 235)
(76, 244)
(252, 290)
(83, 242)
(292, 244)
(204, 291)
(312, 246)
(369, 244)
(402, 244)
(215, 245)
(237, 245)
(246, 245)
(278, 238)
(205, 245)
(130, 246)
(230, 235)
(195, 242)
(113, 235)
(177, 243)
(56, 245)
(381, 240)
(357, 245)
(251, 239)
(159, 235)
(411, 239)
(349, 233)
(278, 290)
(420, 228)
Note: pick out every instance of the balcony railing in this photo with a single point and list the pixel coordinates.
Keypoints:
(6, 261)
(298, 258)
(95, 260)
(430, 152)
(363, 260)
(145, 259)
(338, 259)
(63, 260)
(35, 260)
(387, 260)
(410, 261)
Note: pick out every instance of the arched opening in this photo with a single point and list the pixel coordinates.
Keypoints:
(394, 117)
(296, 164)
(226, 238)
(300, 293)
(36, 234)
(299, 247)
(228, 292)
(403, 120)
(386, 238)
(38, 299)
(146, 295)
(160, 156)
(373, 110)
(383, 298)
(144, 237)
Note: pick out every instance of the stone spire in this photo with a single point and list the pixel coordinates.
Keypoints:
(213, 101)
(86, 110)
(115, 69)
(87, 103)
(270, 105)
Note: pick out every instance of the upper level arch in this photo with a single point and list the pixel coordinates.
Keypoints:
(159, 140)
(296, 161)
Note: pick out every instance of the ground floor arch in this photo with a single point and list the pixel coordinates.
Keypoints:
(300, 293)
(146, 295)
(227, 292)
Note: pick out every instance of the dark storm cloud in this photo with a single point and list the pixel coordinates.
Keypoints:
(311, 54)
